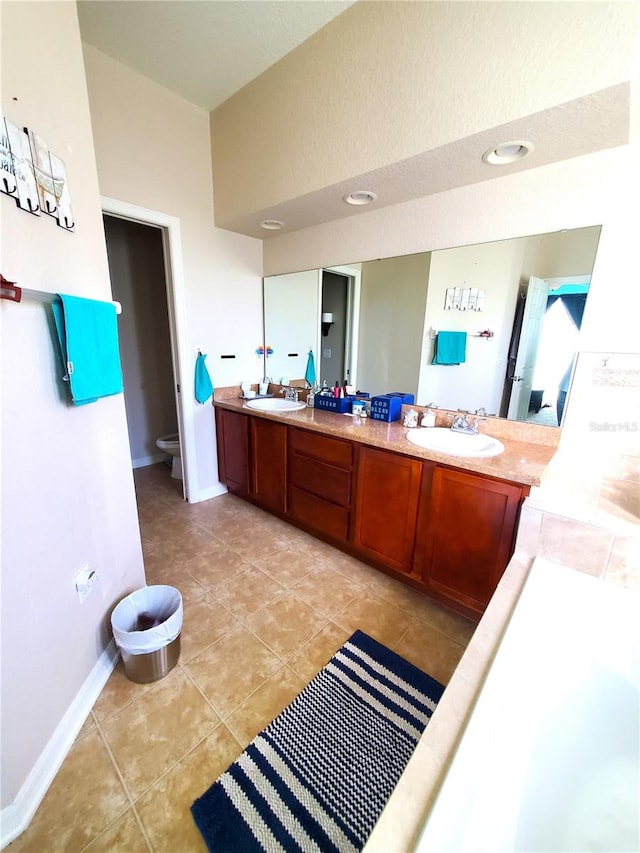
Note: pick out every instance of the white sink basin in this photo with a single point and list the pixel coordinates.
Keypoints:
(274, 404)
(444, 440)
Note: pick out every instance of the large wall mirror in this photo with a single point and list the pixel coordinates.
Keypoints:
(377, 323)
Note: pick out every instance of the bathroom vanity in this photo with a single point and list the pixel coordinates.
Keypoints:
(443, 525)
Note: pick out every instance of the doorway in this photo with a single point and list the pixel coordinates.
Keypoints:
(137, 270)
(335, 300)
(169, 229)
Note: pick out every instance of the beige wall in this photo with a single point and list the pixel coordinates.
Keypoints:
(376, 86)
(67, 488)
(153, 150)
(586, 191)
(391, 329)
(478, 382)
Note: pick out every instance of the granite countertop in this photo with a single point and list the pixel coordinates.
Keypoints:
(527, 449)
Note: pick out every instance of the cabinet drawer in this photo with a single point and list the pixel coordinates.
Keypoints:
(322, 480)
(331, 450)
(319, 515)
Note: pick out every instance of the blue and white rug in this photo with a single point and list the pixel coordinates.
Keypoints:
(318, 777)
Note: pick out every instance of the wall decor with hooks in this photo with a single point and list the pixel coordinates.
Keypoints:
(32, 175)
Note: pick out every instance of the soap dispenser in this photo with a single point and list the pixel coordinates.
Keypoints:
(428, 418)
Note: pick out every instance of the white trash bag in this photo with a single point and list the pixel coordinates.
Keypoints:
(147, 620)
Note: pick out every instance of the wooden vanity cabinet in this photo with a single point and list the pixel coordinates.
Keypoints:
(268, 464)
(320, 474)
(465, 536)
(446, 531)
(386, 507)
(232, 430)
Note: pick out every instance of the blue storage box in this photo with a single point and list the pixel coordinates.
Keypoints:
(386, 408)
(339, 405)
(409, 399)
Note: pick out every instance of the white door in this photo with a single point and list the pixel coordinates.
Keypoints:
(534, 310)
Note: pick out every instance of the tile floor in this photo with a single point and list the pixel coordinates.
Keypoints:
(265, 606)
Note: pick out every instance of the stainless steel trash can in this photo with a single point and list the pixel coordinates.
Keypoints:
(146, 626)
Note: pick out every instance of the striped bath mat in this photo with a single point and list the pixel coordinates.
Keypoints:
(318, 777)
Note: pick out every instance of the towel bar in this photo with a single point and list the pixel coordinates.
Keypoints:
(10, 290)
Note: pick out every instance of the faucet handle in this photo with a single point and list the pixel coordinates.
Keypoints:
(477, 421)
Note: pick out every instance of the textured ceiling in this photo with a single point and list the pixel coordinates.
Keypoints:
(203, 50)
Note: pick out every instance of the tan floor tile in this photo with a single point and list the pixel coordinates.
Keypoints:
(158, 729)
(212, 571)
(451, 624)
(117, 692)
(327, 591)
(372, 614)
(197, 543)
(225, 528)
(187, 586)
(430, 651)
(287, 566)
(205, 622)
(353, 569)
(286, 624)
(305, 543)
(165, 808)
(410, 600)
(233, 668)
(257, 545)
(248, 592)
(158, 563)
(85, 797)
(88, 726)
(265, 704)
(316, 653)
(123, 836)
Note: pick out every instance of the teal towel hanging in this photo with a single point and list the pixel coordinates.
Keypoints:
(88, 338)
(451, 348)
(203, 383)
(310, 373)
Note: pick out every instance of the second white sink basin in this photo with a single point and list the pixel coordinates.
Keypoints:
(275, 404)
(443, 440)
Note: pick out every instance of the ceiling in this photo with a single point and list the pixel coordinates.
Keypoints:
(203, 50)
(206, 50)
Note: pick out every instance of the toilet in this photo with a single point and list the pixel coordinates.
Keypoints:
(171, 444)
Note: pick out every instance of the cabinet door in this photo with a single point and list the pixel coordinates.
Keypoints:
(268, 452)
(466, 535)
(232, 431)
(387, 493)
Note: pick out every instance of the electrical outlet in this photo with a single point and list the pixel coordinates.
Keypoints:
(85, 579)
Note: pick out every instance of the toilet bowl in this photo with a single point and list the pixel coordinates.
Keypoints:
(171, 444)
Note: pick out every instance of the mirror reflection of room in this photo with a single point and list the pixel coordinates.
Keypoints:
(388, 314)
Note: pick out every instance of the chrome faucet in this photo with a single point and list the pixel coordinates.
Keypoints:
(290, 393)
(462, 423)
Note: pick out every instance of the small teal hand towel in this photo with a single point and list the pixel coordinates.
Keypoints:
(88, 337)
(310, 374)
(203, 383)
(450, 348)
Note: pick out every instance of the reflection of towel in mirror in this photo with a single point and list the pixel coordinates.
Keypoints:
(310, 374)
(88, 337)
(450, 348)
(203, 383)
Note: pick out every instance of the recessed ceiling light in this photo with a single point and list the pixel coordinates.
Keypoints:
(272, 224)
(507, 152)
(360, 197)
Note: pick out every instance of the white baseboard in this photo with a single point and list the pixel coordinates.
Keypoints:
(143, 461)
(213, 492)
(14, 819)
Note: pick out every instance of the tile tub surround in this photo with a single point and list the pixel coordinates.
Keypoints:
(257, 627)
(528, 451)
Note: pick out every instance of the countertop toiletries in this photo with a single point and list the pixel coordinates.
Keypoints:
(411, 418)
(429, 418)
(336, 389)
